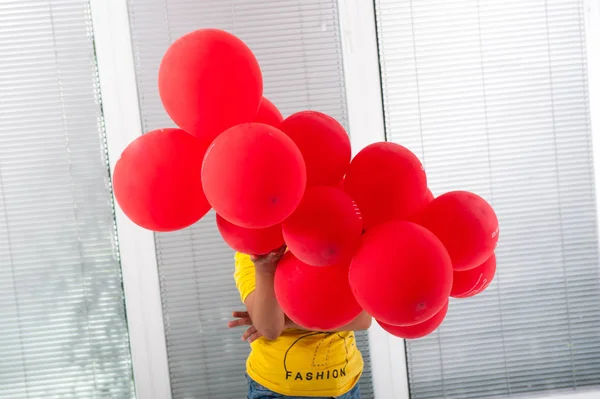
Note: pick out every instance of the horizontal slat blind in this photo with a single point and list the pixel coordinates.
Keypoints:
(492, 95)
(297, 43)
(63, 332)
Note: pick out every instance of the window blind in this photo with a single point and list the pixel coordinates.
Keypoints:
(492, 95)
(63, 330)
(297, 43)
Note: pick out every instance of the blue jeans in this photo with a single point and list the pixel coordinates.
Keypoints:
(257, 391)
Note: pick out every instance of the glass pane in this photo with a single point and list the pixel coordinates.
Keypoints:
(63, 333)
(493, 97)
(298, 45)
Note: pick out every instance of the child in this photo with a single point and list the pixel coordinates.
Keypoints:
(287, 360)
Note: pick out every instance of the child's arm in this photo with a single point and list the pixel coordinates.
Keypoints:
(265, 312)
(362, 322)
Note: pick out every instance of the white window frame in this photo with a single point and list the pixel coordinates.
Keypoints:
(122, 120)
(366, 124)
(366, 119)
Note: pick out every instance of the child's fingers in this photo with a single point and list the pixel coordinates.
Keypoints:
(255, 258)
(276, 254)
(239, 314)
(248, 333)
(251, 335)
(273, 255)
(254, 337)
(244, 321)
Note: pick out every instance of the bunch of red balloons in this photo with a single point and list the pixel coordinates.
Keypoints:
(362, 234)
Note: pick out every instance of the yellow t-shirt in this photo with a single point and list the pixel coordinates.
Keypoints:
(299, 362)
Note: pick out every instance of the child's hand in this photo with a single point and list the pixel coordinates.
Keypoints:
(267, 263)
(243, 319)
(251, 334)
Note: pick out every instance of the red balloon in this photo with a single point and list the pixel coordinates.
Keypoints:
(157, 180)
(254, 175)
(268, 114)
(325, 229)
(340, 185)
(417, 215)
(387, 181)
(417, 330)
(324, 144)
(316, 298)
(429, 196)
(250, 241)
(357, 210)
(401, 273)
(466, 224)
(209, 81)
(472, 282)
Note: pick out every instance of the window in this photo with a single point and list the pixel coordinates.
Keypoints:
(63, 328)
(298, 46)
(493, 96)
